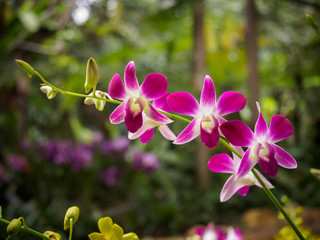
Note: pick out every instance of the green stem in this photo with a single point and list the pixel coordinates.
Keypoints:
(278, 204)
(8, 237)
(221, 140)
(71, 228)
(28, 230)
(73, 93)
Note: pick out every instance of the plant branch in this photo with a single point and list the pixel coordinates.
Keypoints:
(27, 229)
(221, 140)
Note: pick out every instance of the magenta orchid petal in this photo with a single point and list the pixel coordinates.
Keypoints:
(116, 88)
(237, 133)
(270, 168)
(210, 139)
(266, 182)
(244, 191)
(189, 133)
(230, 102)
(117, 116)
(162, 104)
(154, 86)
(130, 79)
(166, 132)
(147, 136)
(147, 124)
(208, 94)
(183, 102)
(261, 127)
(268, 163)
(283, 158)
(221, 163)
(133, 119)
(156, 116)
(230, 188)
(221, 120)
(246, 164)
(280, 128)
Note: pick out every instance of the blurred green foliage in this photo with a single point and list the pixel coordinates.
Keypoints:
(58, 37)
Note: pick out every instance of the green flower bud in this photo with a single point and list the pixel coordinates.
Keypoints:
(72, 212)
(98, 103)
(53, 235)
(25, 67)
(312, 23)
(51, 93)
(92, 75)
(14, 227)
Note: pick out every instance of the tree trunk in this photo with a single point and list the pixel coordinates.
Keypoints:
(253, 79)
(198, 73)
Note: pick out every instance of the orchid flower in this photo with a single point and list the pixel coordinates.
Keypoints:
(136, 98)
(241, 185)
(210, 232)
(234, 234)
(207, 115)
(261, 144)
(147, 129)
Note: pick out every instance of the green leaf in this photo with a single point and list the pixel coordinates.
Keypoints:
(30, 20)
(313, 23)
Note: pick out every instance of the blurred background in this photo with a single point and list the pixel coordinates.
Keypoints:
(59, 153)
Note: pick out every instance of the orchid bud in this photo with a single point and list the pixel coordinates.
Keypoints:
(14, 227)
(92, 75)
(98, 103)
(72, 212)
(53, 235)
(25, 67)
(51, 93)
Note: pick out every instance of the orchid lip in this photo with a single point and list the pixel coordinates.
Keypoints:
(208, 123)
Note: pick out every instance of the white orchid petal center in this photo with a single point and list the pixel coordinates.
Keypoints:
(208, 123)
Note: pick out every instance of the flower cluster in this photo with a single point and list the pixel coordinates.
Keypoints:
(210, 232)
(79, 157)
(145, 107)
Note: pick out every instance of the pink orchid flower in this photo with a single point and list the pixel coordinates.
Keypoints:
(210, 232)
(136, 98)
(261, 144)
(207, 115)
(241, 185)
(234, 234)
(146, 131)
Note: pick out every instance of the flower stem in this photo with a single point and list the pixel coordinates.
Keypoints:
(73, 93)
(26, 229)
(71, 228)
(221, 140)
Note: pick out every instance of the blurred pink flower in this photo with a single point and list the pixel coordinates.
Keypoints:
(19, 163)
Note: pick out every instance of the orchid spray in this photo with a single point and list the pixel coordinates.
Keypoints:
(141, 116)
